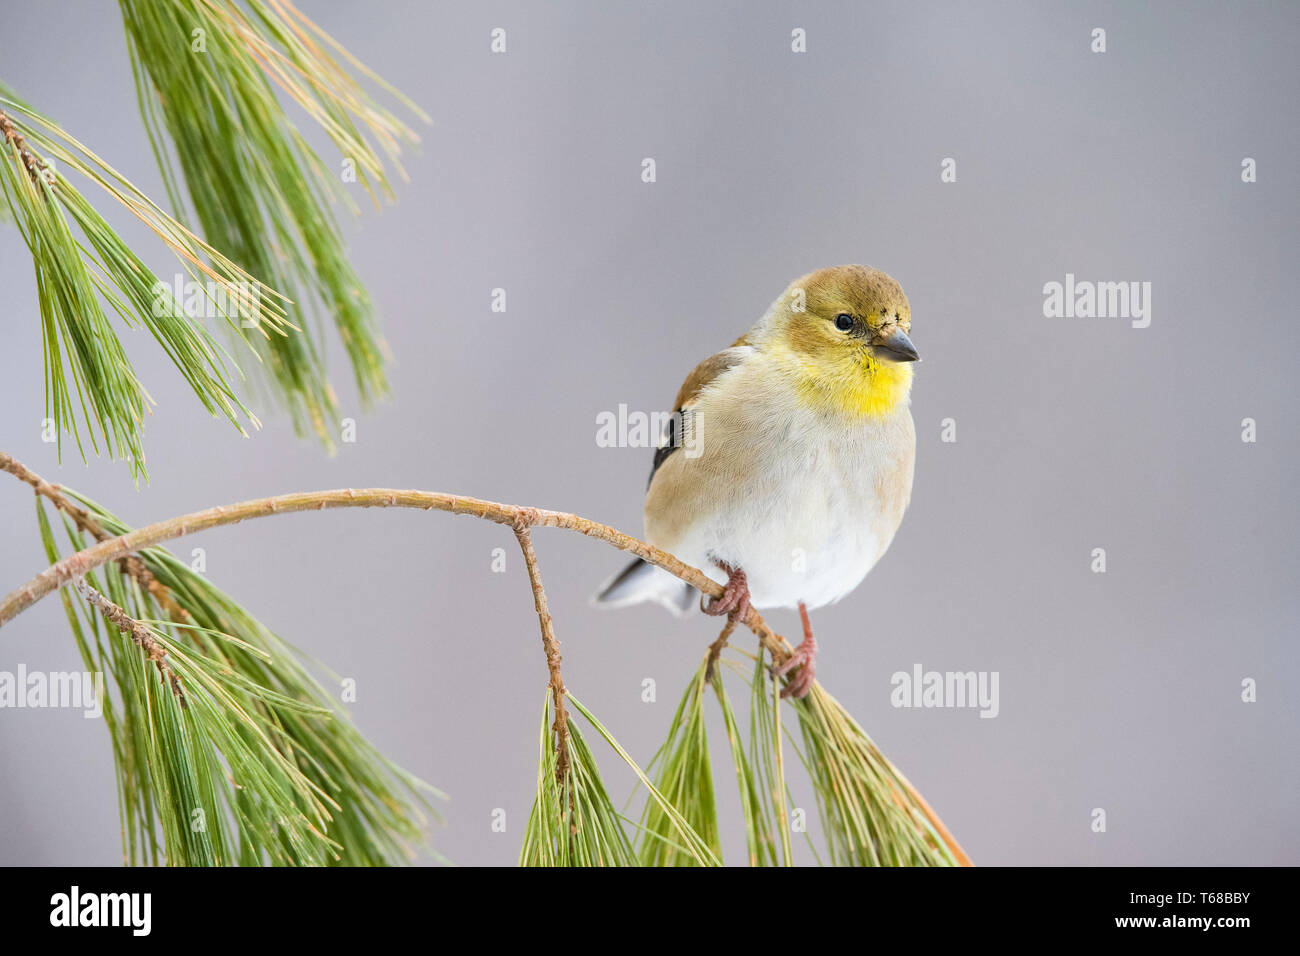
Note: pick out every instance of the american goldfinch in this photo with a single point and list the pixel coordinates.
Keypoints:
(788, 462)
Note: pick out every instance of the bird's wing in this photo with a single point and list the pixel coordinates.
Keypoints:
(701, 376)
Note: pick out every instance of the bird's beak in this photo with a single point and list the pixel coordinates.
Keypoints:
(894, 346)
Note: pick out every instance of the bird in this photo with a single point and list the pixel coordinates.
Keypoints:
(786, 466)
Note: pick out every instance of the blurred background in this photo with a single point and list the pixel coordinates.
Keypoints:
(1119, 691)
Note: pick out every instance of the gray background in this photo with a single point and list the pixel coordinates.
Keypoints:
(1119, 691)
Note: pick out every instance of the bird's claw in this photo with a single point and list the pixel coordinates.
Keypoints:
(804, 658)
(734, 601)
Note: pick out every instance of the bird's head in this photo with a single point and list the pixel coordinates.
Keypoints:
(844, 333)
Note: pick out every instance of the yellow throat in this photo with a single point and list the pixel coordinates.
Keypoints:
(855, 385)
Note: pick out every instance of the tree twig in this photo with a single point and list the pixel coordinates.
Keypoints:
(552, 648)
(87, 522)
(36, 167)
(138, 632)
(519, 518)
(83, 518)
(715, 649)
(76, 565)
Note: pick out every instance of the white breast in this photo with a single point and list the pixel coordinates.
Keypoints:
(804, 501)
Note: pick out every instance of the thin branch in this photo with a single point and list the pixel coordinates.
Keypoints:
(76, 565)
(715, 649)
(87, 522)
(552, 647)
(520, 519)
(83, 518)
(36, 166)
(139, 632)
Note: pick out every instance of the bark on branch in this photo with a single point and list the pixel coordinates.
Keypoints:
(138, 632)
(87, 523)
(126, 547)
(113, 548)
(552, 648)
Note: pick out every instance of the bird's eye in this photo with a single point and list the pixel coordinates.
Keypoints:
(844, 321)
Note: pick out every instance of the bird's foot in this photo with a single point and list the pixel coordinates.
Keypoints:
(734, 603)
(804, 658)
(735, 596)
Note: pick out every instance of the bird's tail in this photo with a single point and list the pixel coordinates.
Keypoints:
(642, 581)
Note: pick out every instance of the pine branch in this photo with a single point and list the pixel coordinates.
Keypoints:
(82, 264)
(244, 759)
(260, 193)
(140, 633)
(206, 74)
(572, 822)
(87, 522)
(771, 795)
(552, 648)
(871, 814)
(78, 564)
(685, 778)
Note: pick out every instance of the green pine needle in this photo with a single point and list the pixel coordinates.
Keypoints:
(207, 74)
(574, 823)
(247, 760)
(686, 780)
(869, 814)
(82, 265)
(869, 817)
(760, 774)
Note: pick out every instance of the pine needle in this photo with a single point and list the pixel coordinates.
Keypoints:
(207, 74)
(685, 779)
(82, 266)
(760, 779)
(574, 823)
(243, 758)
(869, 816)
